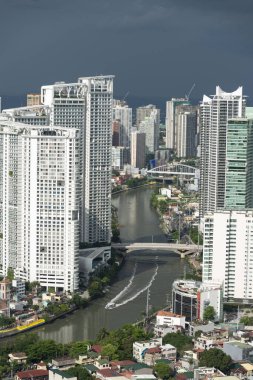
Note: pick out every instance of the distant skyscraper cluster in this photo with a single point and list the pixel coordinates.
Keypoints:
(55, 178)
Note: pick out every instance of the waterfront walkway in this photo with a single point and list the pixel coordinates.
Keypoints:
(181, 249)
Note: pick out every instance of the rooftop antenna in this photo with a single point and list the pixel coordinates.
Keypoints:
(187, 96)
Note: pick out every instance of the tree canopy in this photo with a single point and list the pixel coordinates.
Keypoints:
(163, 370)
(209, 313)
(215, 358)
(178, 340)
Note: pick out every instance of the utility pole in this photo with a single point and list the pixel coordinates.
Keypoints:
(147, 304)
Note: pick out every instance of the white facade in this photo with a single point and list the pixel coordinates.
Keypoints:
(170, 319)
(120, 156)
(139, 348)
(214, 114)
(122, 113)
(150, 126)
(145, 111)
(170, 121)
(87, 105)
(228, 252)
(39, 198)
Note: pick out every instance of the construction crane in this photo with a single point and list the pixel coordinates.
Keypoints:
(187, 96)
(128, 92)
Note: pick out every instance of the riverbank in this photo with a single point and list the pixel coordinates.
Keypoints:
(133, 188)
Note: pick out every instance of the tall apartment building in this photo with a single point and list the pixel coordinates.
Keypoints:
(33, 100)
(186, 126)
(239, 164)
(145, 111)
(39, 201)
(87, 106)
(214, 114)
(150, 126)
(170, 120)
(138, 149)
(33, 115)
(122, 114)
(228, 252)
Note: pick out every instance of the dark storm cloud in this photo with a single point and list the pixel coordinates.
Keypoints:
(155, 47)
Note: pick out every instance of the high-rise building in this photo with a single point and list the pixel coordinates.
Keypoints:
(186, 125)
(34, 115)
(116, 133)
(33, 100)
(214, 114)
(150, 126)
(123, 115)
(170, 121)
(145, 111)
(138, 148)
(228, 252)
(87, 106)
(239, 164)
(39, 201)
(120, 157)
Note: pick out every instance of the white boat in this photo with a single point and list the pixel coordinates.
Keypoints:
(110, 305)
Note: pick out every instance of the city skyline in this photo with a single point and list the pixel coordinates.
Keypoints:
(192, 37)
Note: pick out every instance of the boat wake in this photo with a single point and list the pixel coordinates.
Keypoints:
(113, 303)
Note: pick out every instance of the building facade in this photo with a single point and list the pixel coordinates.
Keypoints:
(214, 114)
(190, 298)
(186, 127)
(228, 252)
(122, 114)
(138, 149)
(145, 111)
(87, 106)
(150, 126)
(239, 164)
(39, 200)
(170, 121)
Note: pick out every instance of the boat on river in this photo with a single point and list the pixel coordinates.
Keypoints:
(110, 305)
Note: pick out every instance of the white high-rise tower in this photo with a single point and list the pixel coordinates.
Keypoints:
(39, 200)
(87, 105)
(214, 114)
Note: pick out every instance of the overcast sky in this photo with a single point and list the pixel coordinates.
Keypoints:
(154, 47)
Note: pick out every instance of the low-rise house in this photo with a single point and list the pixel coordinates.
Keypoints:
(64, 362)
(207, 341)
(170, 319)
(109, 374)
(32, 374)
(140, 348)
(121, 364)
(205, 327)
(41, 365)
(161, 330)
(238, 350)
(102, 364)
(56, 374)
(205, 373)
(17, 357)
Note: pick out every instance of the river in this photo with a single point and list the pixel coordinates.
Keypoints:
(138, 222)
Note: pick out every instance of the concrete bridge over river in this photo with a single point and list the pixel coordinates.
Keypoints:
(181, 249)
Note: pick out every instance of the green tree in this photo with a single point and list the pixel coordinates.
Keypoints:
(10, 274)
(44, 350)
(215, 358)
(247, 321)
(209, 313)
(163, 370)
(95, 289)
(110, 350)
(178, 340)
(78, 348)
(79, 372)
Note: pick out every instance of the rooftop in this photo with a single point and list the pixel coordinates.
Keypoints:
(163, 313)
(32, 373)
